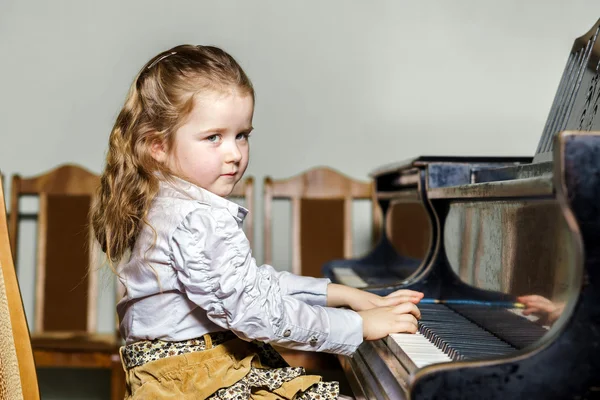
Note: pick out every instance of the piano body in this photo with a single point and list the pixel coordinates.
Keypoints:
(409, 234)
(497, 229)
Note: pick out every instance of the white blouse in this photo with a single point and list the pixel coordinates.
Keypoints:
(200, 277)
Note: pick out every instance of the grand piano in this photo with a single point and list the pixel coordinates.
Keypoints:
(491, 234)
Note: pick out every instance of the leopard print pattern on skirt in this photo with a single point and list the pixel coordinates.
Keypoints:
(139, 353)
(272, 379)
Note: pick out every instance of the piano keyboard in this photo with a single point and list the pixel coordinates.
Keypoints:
(417, 347)
(510, 325)
(346, 276)
(384, 369)
(444, 335)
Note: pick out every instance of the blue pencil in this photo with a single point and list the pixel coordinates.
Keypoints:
(503, 304)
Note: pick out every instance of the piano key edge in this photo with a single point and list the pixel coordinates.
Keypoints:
(373, 372)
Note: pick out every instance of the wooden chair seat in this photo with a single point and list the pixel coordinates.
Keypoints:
(81, 350)
(92, 360)
(72, 341)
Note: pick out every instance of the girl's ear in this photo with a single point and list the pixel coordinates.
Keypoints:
(158, 150)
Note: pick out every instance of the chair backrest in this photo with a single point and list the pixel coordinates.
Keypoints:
(244, 190)
(321, 201)
(18, 378)
(65, 249)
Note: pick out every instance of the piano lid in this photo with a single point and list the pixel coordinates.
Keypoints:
(577, 98)
(398, 167)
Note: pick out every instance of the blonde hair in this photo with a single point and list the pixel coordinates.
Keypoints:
(158, 102)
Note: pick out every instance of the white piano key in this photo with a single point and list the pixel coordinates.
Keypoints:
(418, 348)
(530, 317)
(519, 312)
(346, 276)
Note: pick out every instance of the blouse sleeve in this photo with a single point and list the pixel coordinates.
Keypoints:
(307, 289)
(214, 266)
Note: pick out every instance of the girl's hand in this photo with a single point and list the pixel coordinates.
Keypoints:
(363, 300)
(541, 307)
(380, 322)
(360, 300)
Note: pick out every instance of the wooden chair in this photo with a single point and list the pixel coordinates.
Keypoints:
(321, 216)
(244, 190)
(65, 332)
(18, 378)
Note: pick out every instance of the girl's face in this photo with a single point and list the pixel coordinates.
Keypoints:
(211, 148)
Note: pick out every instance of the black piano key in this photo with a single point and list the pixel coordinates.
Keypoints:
(511, 328)
(458, 336)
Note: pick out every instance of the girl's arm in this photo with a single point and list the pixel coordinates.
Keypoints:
(215, 269)
(309, 290)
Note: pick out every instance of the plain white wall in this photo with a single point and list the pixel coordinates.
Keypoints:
(345, 83)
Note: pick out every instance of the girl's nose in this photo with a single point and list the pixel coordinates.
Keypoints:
(233, 154)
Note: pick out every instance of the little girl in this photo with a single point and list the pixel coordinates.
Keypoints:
(198, 311)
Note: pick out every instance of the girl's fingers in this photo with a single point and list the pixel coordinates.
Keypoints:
(407, 308)
(530, 297)
(392, 301)
(405, 327)
(533, 299)
(406, 323)
(535, 304)
(406, 293)
(542, 306)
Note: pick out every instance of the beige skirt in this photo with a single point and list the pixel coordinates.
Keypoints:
(216, 366)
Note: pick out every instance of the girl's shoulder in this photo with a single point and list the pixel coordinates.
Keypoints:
(173, 211)
(181, 204)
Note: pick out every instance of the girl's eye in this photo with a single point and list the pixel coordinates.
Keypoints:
(213, 138)
(242, 136)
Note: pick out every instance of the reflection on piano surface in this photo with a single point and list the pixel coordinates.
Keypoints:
(494, 230)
